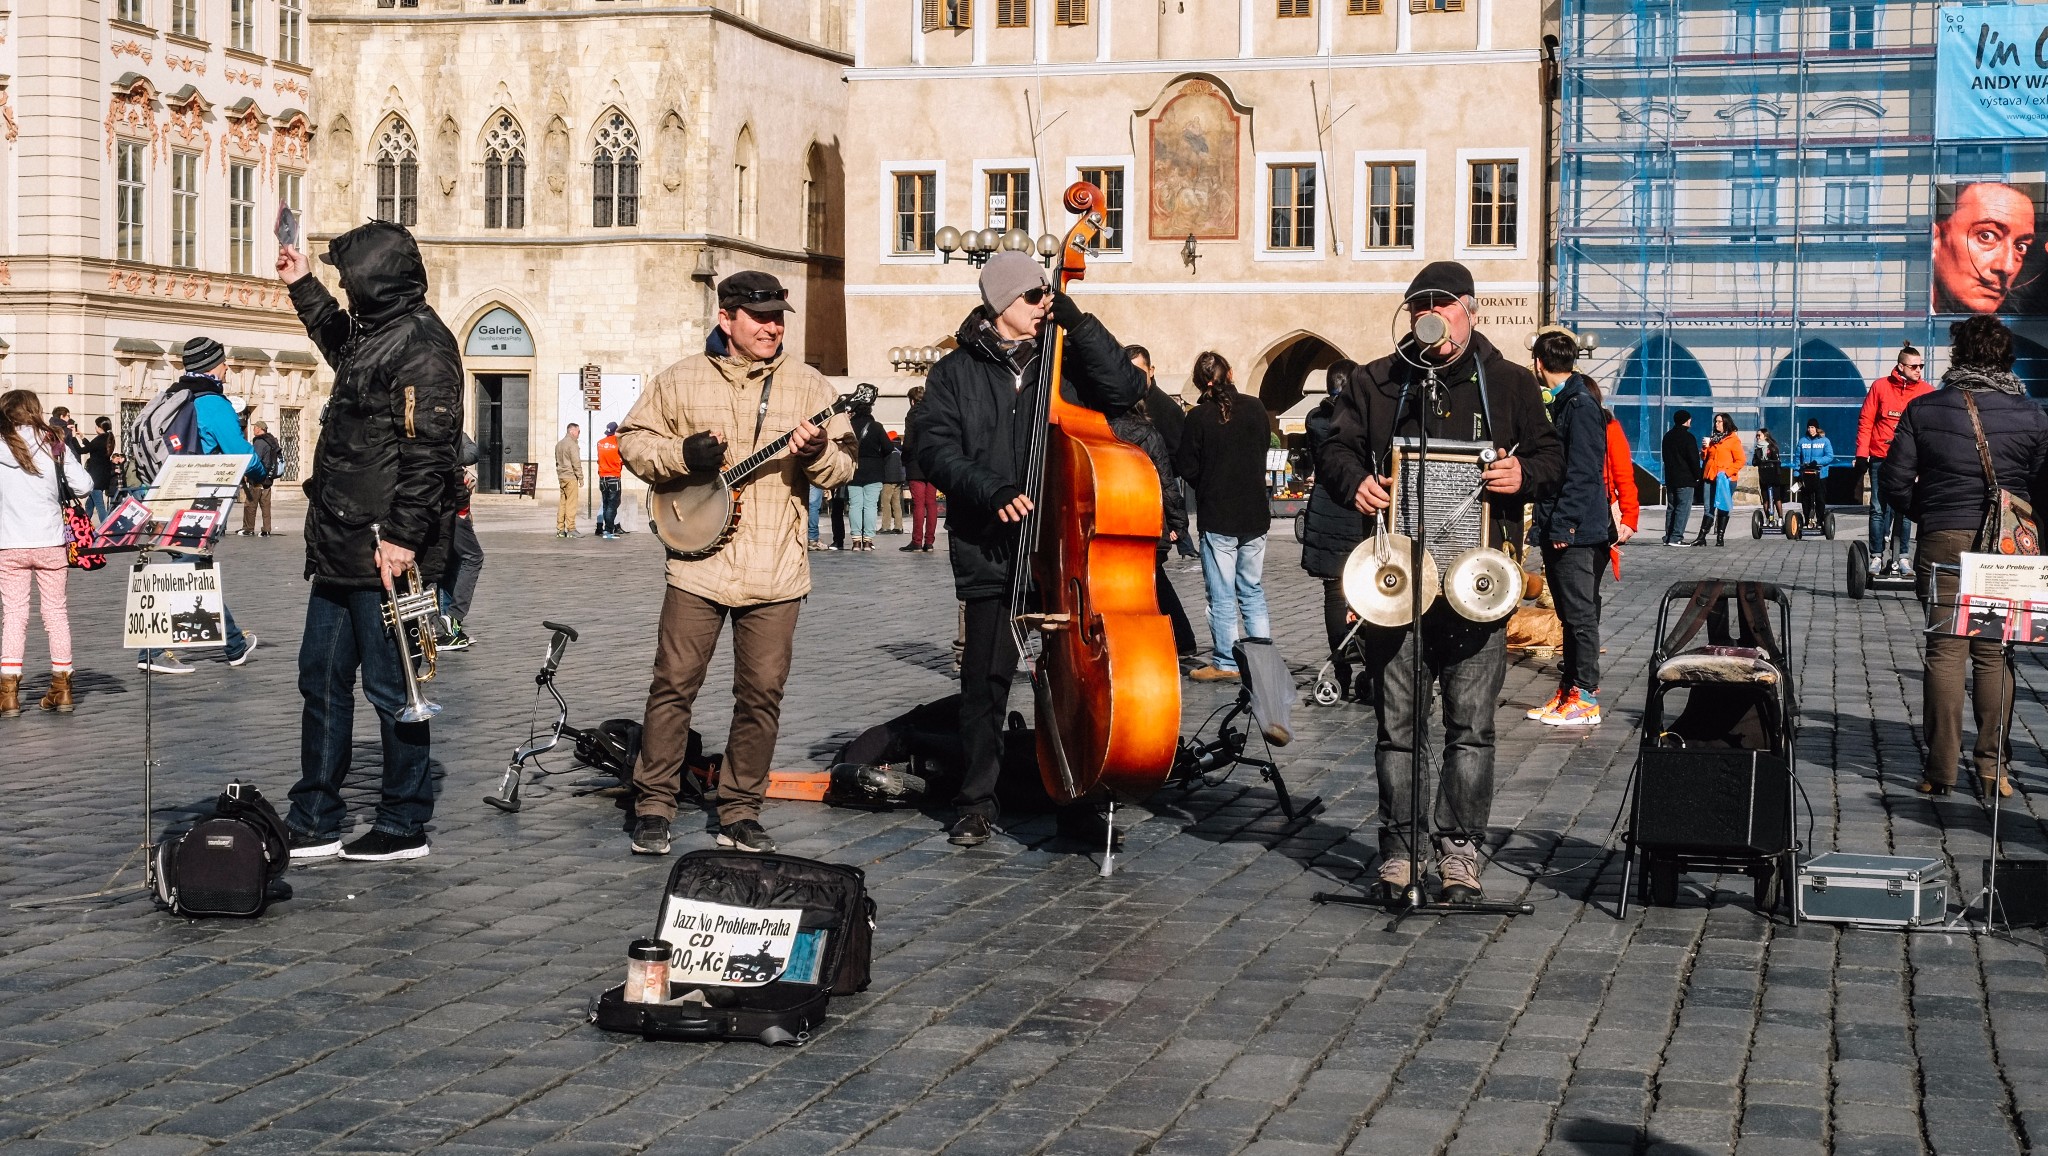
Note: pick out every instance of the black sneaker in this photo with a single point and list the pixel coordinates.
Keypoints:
(650, 835)
(315, 846)
(379, 846)
(969, 831)
(745, 835)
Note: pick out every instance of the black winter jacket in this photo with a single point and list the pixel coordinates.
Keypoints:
(1933, 470)
(1364, 425)
(1334, 525)
(390, 432)
(1167, 417)
(1225, 463)
(1682, 462)
(1577, 514)
(873, 452)
(1173, 507)
(972, 434)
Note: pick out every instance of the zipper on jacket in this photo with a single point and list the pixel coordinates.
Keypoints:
(411, 400)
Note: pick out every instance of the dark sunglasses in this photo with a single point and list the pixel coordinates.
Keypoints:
(757, 296)
(1034, 296)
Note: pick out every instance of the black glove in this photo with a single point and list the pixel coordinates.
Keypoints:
(703, 453)
(1065, 313)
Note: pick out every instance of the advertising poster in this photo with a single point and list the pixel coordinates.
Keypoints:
(1986, 258)
(174, 604)
(187, 476)
(734, 946)
(1991, 73)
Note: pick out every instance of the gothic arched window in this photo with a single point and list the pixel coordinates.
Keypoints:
(504, 174)
(615, 179)
(398, 174)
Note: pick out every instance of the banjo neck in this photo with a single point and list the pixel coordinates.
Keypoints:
(736, 475)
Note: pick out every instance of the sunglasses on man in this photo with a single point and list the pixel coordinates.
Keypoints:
(1034, 296)
(757, 296)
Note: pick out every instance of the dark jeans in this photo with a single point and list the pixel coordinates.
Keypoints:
(458, 587)
(763, 640)
(608, 490)
(345, 631)
(1677, 512)
(1184, 641)
(1573, 577)
(1949, 660)
(988, 664)
(1337, 624)
(1468, 660)
(1890, 530)
(1186, 544)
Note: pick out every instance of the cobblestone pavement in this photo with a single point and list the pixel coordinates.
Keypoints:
(1196, 1002)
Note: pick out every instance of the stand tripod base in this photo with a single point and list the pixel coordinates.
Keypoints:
(113, 888)
(1413, 902)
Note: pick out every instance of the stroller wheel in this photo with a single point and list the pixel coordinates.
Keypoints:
(1326, 693)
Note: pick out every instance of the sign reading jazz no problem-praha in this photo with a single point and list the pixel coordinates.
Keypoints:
(1992, 73)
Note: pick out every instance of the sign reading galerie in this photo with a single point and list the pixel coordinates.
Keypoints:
(1992, 73)
(499, 333)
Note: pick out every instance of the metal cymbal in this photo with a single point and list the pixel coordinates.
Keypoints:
(1483, 584)
(1377, 584)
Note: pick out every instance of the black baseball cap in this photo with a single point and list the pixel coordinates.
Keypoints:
(753, 291)
(1447, 278)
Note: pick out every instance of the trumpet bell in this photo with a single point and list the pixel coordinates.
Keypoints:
(1483, 584)
(419, 712)
(1377, 583)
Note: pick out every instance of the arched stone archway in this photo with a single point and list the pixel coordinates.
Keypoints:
(1659, 376)
(1282, 371)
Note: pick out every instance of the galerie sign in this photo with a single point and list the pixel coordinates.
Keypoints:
(1992, 73)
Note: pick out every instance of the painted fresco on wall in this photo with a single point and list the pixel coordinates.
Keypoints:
(1194, 166)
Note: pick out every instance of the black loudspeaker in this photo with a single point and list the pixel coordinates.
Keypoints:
(1713, 802)
(2022, 891)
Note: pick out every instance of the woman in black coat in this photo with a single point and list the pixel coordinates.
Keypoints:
(1936, 470)
(1333, 527)
(1135, 426)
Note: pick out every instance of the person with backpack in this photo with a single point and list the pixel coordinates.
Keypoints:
(32, 546)
(610, 482)
(256, 487)
(1575, 528)
(381, 500)
(193, 416)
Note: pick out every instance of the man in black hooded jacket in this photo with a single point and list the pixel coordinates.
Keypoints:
(972, 436)
(1485, 398)
(382, 498)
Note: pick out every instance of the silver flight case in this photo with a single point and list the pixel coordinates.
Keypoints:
(1873, 890)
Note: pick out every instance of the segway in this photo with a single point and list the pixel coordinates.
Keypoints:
(1808, 491)
(1861, 581)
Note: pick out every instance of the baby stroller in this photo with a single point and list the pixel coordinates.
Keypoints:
(1715, 780)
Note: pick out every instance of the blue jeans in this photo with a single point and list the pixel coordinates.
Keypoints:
(1677, 512)
(237, 641)
(1887, 521)
(608, 490)
(344, 631)
(1234, 571)
(864, 509)
(817, 501)
(96, 506)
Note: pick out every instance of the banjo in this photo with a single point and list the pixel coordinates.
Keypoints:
(697, 514)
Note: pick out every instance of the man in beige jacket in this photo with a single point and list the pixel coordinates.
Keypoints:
(695, 417)
(569, 473)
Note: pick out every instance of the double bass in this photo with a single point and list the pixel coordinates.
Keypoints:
(1106, 683)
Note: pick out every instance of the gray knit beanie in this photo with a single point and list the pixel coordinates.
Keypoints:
(1008, 276)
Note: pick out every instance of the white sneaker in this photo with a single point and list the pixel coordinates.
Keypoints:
(246, 651)
(164, 663)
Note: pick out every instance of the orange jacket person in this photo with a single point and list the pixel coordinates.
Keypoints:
(1724, 458)
(609, 467)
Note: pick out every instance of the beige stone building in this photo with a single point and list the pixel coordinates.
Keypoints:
(144, 147)
(1277, 170)
(579, 173)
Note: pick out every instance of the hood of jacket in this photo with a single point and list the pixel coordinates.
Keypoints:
(381, 271)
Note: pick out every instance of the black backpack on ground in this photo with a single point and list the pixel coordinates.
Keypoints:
(230, 863)
(835, 930)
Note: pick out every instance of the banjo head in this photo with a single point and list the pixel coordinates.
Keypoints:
(692, 517)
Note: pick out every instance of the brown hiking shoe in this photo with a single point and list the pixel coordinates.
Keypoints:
(10, 696)
(1396, 876)
(1458, 864)
(1212, 674)
(59, 696)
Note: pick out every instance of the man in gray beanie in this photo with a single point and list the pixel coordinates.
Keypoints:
(972, 438)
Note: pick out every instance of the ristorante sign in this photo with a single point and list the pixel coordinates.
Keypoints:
(1992, 80)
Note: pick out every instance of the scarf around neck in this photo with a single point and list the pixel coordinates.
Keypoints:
(1983, 381)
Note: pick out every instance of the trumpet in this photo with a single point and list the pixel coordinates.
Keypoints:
(419, 607)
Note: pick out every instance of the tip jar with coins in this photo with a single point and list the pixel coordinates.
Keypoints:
(647, 971)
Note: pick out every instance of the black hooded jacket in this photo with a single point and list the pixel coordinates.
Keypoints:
(972, 434)
(1363, 426)
(390, 434)
(1334, 525)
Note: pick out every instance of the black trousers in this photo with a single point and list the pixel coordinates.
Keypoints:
(988, 664)
(1184, 641)
(1337, 624)
(1573, 575)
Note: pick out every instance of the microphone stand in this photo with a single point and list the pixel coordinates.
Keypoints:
(1413, 900)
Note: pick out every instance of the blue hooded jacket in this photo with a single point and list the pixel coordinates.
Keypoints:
(1816, 451)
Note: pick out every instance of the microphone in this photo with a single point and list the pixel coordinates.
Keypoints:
(1430, 329)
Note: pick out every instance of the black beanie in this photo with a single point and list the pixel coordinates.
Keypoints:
(201, 354)
(1443, 277)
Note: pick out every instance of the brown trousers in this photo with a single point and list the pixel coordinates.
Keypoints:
(255, 497)
(762, 639)
(565, 506)
(892, 507)
(1948, 659)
